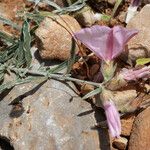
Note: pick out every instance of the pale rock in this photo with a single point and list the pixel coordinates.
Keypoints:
(140, 137)
(120, 143)
(146, 2)
(85, 17)
(112, 2)
(50, 116)
(122, 16)
(54, 37)
(139, 46)
(123, 98)
(126, 125)
(8, 8)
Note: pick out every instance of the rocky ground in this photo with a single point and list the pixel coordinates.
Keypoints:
(51, 115)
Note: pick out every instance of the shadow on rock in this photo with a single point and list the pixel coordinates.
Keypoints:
(102, 132)
(17, 107)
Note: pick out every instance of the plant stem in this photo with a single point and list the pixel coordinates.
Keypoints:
(54, 76)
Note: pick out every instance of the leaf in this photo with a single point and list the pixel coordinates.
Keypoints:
(142, 61)
(6, 38)
(59, 67)
(9, 22)
(117, 4)
(106, 17)
(92, 93)
(7, 54)
(53, 4)
(2, 71)
(72, 56)
(72, 8)
(11, 84)
(23, 53)
(7, 86)
(27, 42)
(37, 17)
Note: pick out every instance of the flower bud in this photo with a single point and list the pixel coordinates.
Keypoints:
(112, 115)
(133, 75)
(113, 118)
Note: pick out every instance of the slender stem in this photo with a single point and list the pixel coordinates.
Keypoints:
(54, 76)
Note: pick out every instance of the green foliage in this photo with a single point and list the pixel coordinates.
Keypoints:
(92, 93)
(15, 55)
(72, 56)
(9, 22)
(2, 72)
(58, 68)
(106, 17)
(117, 4)
(7, 54)
(77, 5)
(142, 61)
(6, 38)
(23, 54)
(10, 84)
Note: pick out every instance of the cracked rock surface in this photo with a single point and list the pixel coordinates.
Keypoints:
(50, 116)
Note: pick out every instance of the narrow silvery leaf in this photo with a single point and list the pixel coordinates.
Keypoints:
(117, 4)
(23, 54)
(92, 93)
(72, 56)
(59, 67)
(10, 23)
(6, 38)
(27, 42)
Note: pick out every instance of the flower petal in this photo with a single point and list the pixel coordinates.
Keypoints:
(130, 74)
(95, 39)
(113, 119)
(135, 3)
(120, 38)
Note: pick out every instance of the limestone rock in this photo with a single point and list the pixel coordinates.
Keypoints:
(85, 17)
(54, 39)
(140, 136)
(126, 125)
(49, 116)
(120, 143)
(123, 98)
(139, 46)
(8, 8)
(146, 2)
(109, 1)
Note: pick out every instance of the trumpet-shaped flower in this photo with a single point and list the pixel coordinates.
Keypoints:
(130, 74)
(113, 118)
(107, 43)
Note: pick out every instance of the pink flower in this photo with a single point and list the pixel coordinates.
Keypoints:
(113, 118)
(107, 43)
(135, 3)
(130, 74)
